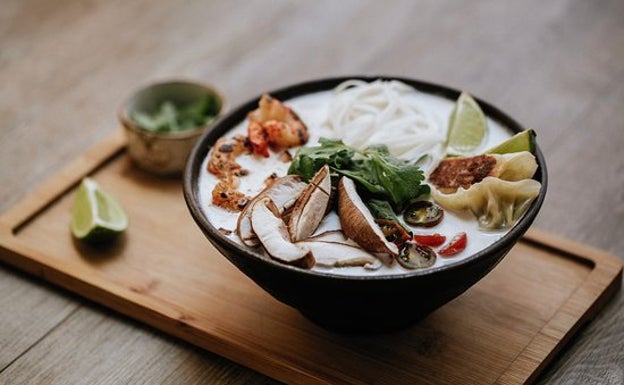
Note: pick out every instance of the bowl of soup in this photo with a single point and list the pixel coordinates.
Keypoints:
(348, 199)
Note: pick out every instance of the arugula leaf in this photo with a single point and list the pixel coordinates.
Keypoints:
(374, 170)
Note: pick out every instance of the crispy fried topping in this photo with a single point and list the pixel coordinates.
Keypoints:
(222, 160)
(222, 163)
(453, 173)
(271, 124)
(226, 195)
(275, 124)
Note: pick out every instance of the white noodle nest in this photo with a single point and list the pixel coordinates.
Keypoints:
(386, 112)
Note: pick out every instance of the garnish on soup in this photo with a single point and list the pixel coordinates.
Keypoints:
(455, 246)
(355, 204)
(498, 196)
(222, 163)
(373, 169)
(273, 123)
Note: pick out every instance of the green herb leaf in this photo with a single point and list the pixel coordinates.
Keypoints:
(145, 121)
(170, 118)
(382, 210)
(201, 111)
(308, 160)
(400, 179)
(374, 170)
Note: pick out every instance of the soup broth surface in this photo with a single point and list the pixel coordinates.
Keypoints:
(313, 110)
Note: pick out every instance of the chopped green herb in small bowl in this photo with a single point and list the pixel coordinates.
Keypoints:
(164, 120)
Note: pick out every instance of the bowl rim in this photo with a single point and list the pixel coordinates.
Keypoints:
(127, 122)
(237, 115)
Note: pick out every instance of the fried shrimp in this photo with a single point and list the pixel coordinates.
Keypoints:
(275, 124)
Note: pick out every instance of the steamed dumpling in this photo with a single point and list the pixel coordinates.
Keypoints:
(496, 203)
(452, 173)
(514, 166)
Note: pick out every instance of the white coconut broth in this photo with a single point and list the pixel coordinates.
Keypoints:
(313, 109)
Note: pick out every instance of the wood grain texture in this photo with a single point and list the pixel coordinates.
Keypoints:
(556, 66)
(34, 312)
(165, 274)
(113, 352)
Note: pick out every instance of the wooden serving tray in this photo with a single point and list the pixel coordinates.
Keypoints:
(163, 272)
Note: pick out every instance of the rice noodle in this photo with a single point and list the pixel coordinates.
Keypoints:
(385, 112)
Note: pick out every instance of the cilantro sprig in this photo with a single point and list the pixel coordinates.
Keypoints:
(376, 172)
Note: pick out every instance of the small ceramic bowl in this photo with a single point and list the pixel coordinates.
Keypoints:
(164, 153)
(356, 303)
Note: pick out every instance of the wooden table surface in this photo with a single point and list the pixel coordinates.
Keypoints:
(556, 66)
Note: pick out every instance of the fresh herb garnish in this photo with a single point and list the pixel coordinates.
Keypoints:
(374, 170)
(308, 160)
(171, 118)
(382, 210)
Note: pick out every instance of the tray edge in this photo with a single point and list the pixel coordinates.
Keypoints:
(603, 282)
(594, 291)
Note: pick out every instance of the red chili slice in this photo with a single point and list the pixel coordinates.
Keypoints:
(455, 246)
(433, 240)
(393, 231)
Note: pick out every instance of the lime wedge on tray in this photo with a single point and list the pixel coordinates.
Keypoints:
(467, 126)
(96, 216)
(523, 141)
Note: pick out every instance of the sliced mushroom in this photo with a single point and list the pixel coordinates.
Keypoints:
(334, 236)
(310, 207)
(273, 234)
(359, 225)
(332, 254)
(415, 256)
(283, 192)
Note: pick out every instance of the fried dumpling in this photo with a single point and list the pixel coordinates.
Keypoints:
(452, 173)
(496, 203)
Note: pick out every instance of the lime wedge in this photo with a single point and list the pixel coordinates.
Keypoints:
(467, 126)
(523, 141)
(96, 216)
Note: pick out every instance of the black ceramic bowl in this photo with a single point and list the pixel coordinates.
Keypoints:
(356, 303)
